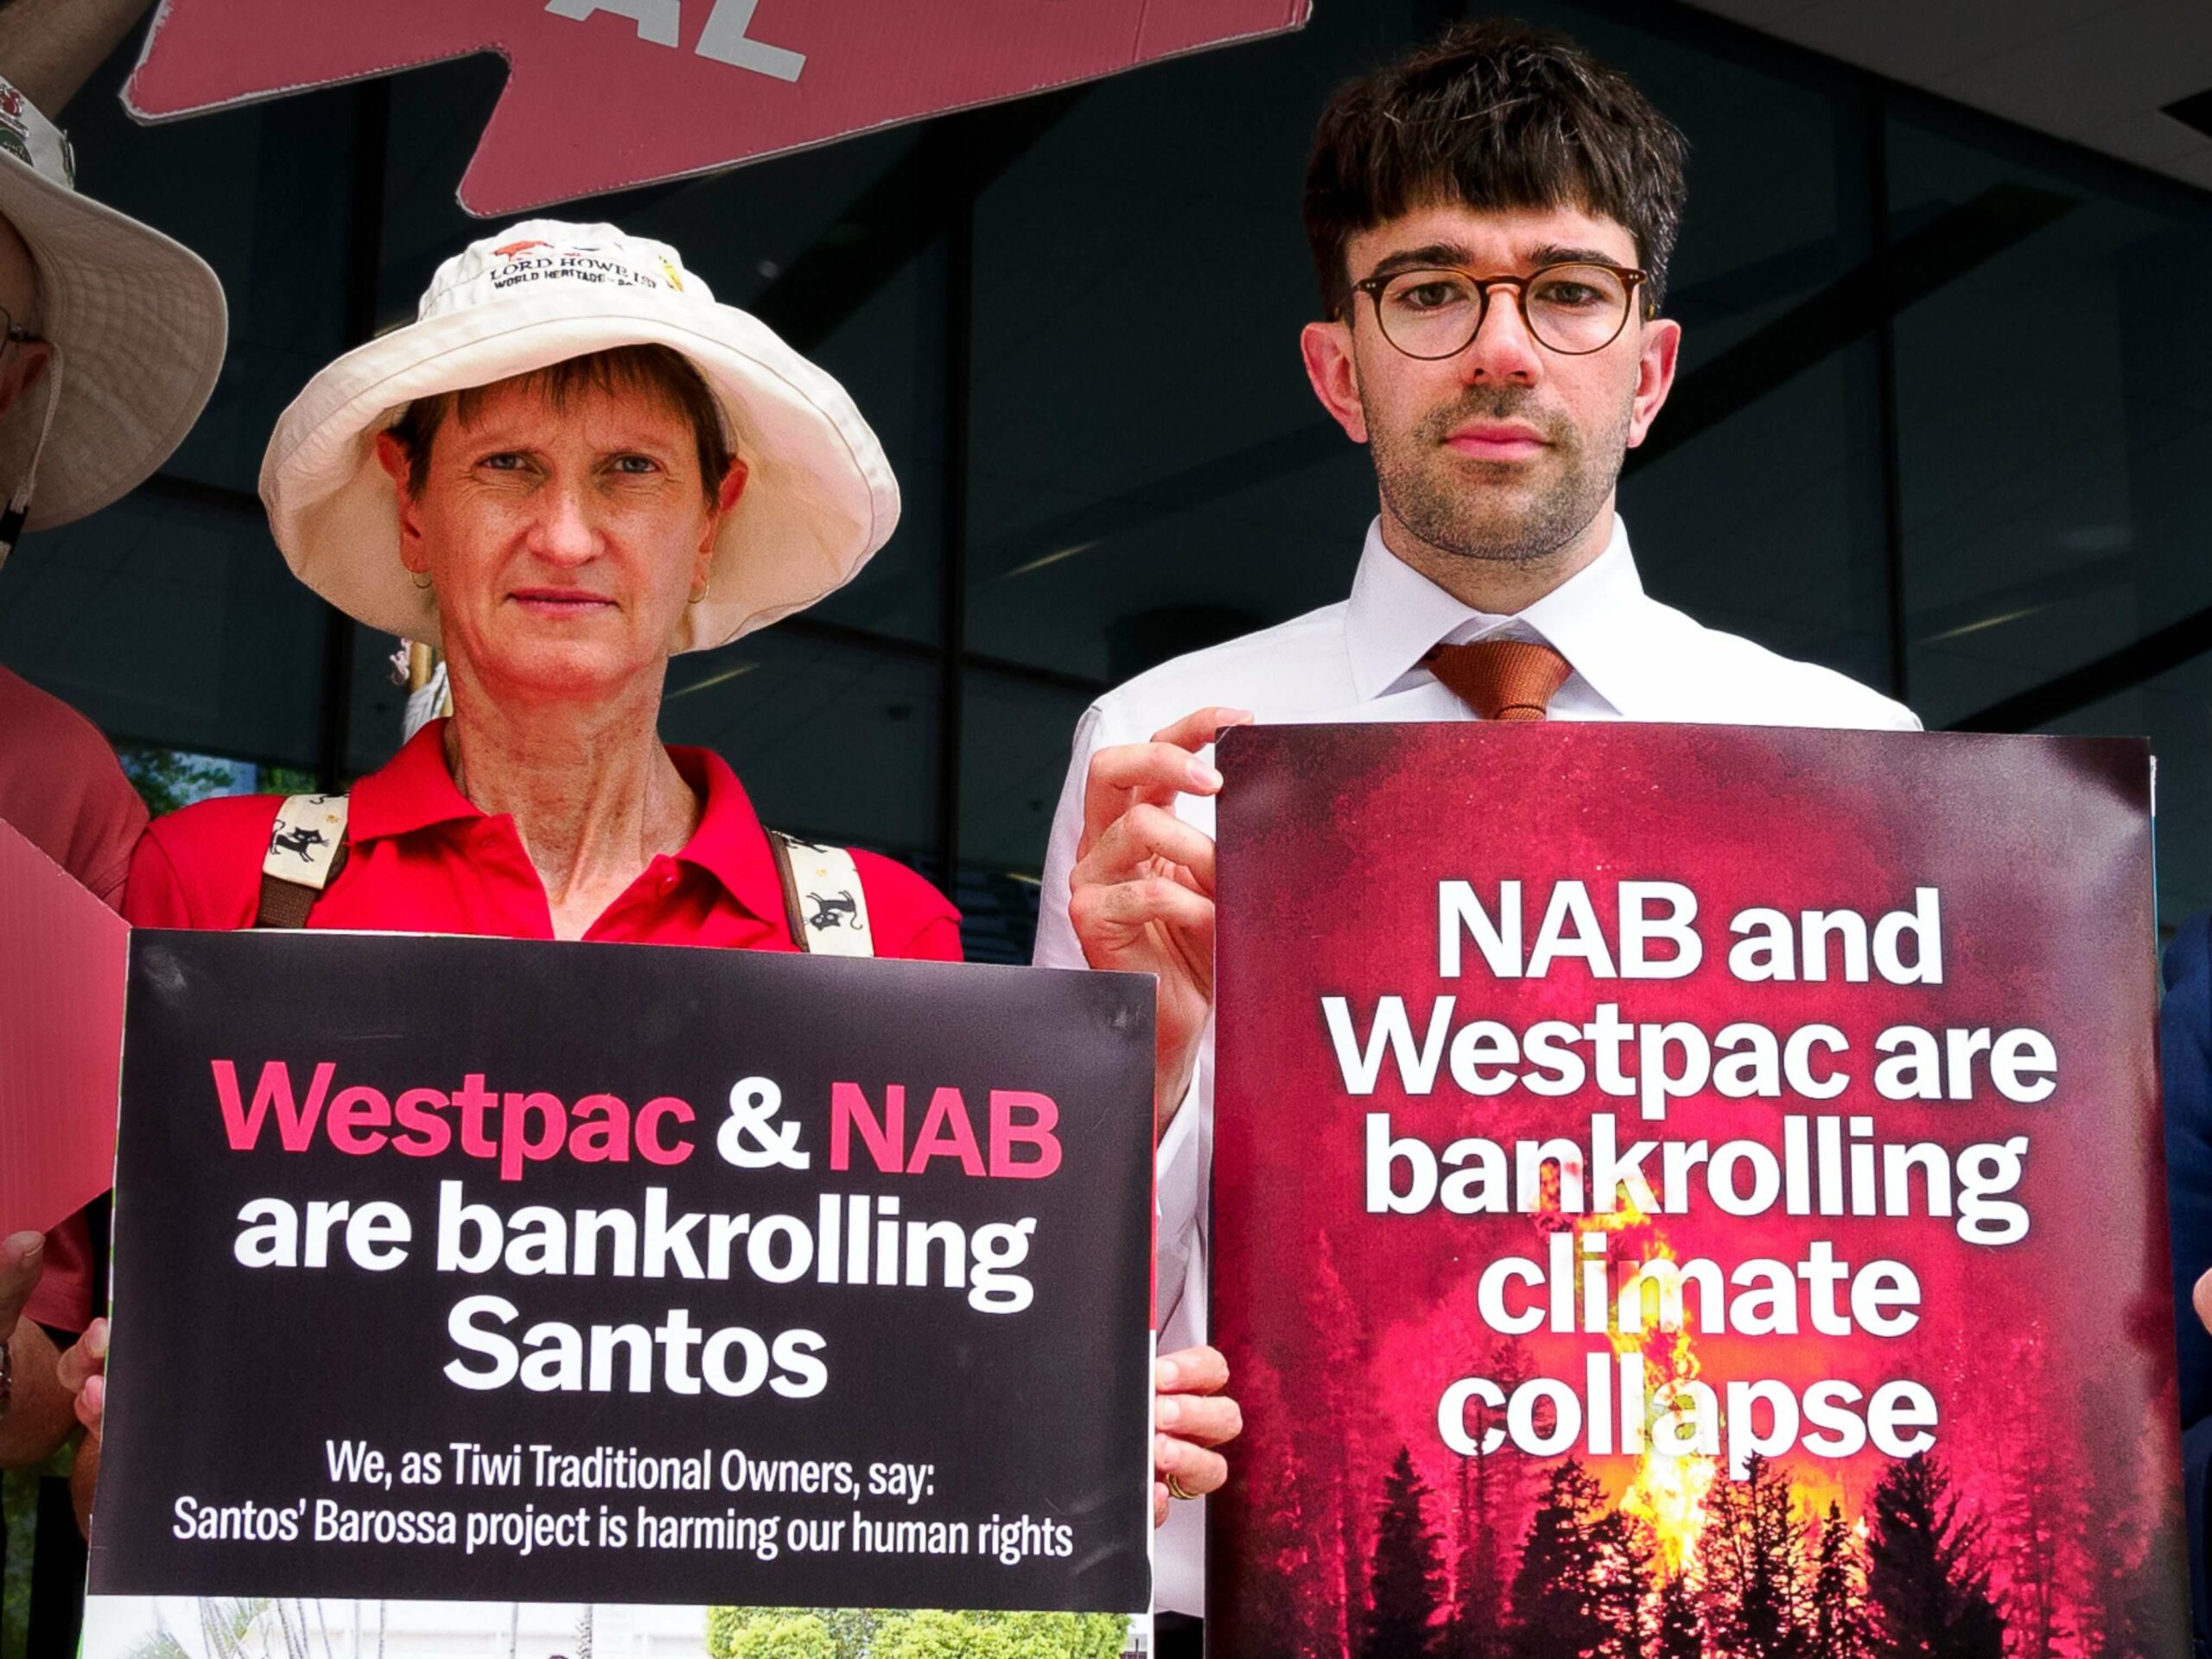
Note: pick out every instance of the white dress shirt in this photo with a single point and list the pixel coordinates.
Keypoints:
(1633, 658)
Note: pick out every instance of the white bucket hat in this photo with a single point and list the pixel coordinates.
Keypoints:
(819, 500)
(136, 321)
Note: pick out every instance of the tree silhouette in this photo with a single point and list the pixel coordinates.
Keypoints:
(1331, 1442)
(1556, 1611)
(1839, 1600)
(1752, 1567)
(1677, 1631)
(1927, 1577)
(1406, 1586)
(1278, 1497)
(2032, 1486)
(1621, 1595)
(1493, 1492)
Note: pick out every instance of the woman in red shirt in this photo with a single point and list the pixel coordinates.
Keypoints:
(572, 465)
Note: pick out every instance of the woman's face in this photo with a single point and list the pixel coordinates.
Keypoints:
(563, 543)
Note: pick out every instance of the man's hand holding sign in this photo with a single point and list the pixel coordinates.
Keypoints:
(1142, 901)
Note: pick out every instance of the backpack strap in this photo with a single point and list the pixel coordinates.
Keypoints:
(307, 848)
(822, 897)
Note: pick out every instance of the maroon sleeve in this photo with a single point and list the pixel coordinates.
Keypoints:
(62, 787)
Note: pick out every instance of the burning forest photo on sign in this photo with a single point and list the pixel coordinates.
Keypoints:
(1704, 1254)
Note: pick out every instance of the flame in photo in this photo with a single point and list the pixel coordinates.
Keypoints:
(1667, 1493)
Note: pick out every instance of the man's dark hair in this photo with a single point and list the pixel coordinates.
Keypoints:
(661, 374)
(1496, 115)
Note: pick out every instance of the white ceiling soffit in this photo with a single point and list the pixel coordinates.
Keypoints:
(2101, 73)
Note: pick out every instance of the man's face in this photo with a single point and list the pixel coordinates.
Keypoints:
(1508, 451)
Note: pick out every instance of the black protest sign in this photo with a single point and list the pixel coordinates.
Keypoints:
(455, 1270)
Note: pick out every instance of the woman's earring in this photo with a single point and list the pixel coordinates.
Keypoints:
(422, 582)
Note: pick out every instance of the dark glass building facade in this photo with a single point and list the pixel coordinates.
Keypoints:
(1941, 423)
(1944, 420)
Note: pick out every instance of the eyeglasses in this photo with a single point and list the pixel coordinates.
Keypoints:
(1436, 311)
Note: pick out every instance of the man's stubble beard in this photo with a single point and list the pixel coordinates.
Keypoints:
(1448, 503)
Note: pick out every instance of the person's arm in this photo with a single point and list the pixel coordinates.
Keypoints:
(36, 1417)
(48, 49)
(1178, 1162)
(1141, 900)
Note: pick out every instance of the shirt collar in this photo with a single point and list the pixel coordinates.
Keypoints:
(1593, 619)
(414, 790)
(730, 843)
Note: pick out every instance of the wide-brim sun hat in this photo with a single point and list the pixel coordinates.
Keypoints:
(137, 321)
(819, 496)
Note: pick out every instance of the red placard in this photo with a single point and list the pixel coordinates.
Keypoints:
(61, 960)
(605, 96)
(1688, 1189)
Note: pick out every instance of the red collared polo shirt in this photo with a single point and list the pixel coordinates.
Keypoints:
(422, 859)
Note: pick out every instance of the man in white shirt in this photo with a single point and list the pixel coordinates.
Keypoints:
(1492, 221)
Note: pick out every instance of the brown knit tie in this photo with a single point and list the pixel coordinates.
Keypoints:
(1501, 679)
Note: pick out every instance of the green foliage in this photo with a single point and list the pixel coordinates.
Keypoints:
(781, 1634)
(857, 1633)
(940, 1636)
(288, 780)
(1062, 1635)
(159, 1644)
(18, 1518)
(167, 778)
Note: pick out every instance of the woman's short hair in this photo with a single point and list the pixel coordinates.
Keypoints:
(666, 375)
(1497, 116)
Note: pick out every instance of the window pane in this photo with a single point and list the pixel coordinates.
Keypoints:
(1755, 505)
(1150, 471)
(261, 194)
(830, 739)
(1014, 746)
(2175, 709)
(2053, 421)
(171, 621)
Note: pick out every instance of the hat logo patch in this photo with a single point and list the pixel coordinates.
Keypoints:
(526, 263)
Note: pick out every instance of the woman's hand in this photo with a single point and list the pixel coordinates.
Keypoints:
(21, 1255)
(1190, 1415)
(33, 1409)
(84, 1373)
(83, 1369)
(1140, 894)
